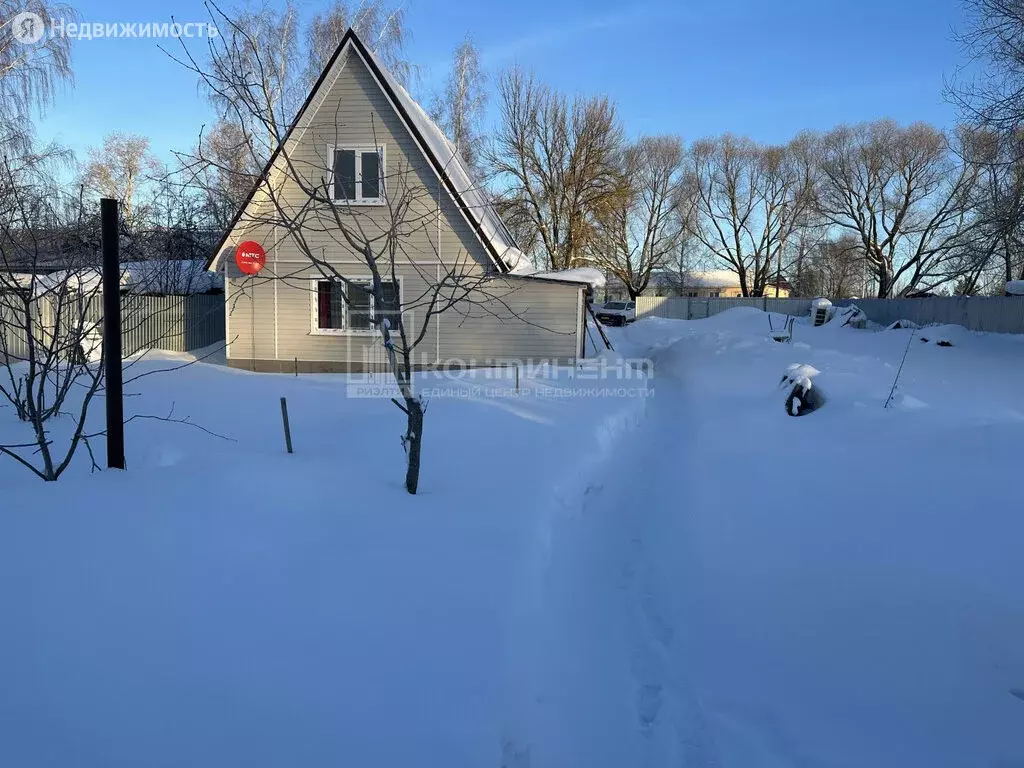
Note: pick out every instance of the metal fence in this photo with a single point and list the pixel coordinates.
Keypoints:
(998, 314)
(172, 323)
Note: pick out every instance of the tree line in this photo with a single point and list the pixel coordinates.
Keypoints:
(893, 209)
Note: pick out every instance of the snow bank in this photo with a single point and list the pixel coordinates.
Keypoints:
(1015, 288)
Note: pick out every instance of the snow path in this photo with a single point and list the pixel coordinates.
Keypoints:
(616, 690)
(733, 590)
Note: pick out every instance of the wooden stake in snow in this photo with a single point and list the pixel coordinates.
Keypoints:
(287, 427)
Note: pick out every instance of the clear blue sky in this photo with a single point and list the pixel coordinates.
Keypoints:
(694, 68)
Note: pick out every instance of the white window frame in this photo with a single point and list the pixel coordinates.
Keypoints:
(360, 150)
(314, 308)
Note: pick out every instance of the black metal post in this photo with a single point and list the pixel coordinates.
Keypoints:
(112, 332)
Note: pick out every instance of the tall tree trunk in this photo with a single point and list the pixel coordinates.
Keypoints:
(884, 281)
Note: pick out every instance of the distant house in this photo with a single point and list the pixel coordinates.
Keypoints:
(358, 128)
(719, 284)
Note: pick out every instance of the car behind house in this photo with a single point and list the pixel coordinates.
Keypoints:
(617, 312)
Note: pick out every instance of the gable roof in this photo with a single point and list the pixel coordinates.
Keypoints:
(445, 160)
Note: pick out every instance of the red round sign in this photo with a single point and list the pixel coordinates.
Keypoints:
(250, 257)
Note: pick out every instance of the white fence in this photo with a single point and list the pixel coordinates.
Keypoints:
(173, 323)
(998, 314)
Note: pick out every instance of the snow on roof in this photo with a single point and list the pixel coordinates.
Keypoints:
(715, 278)
(1015, 288)
(473, 195)
(176, 277)
(159, 276)
(586, 275)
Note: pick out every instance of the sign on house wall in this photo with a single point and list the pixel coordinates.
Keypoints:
(250, 257)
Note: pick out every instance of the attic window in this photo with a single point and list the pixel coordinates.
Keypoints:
(358, 174)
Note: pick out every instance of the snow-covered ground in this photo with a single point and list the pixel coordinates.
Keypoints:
(687, 578)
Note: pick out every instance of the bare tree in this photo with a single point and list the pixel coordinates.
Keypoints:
(557, 164)
(281, 60)
(832, 268)
(30, 73)
(906, 195)
(50, 355)
(459, 110)
(305, 202)
(640, 231)
(229, 173)
(994, 95)
(747, 201)
(382, 27)
(998, 251)
(119, 169)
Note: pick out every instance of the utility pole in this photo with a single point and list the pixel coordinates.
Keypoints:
(114, 384)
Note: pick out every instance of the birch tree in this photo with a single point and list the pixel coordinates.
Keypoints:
(119, 169)
(459, 110)
(381, 26)
(31, 74)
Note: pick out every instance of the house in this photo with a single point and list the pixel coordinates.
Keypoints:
(360, 127)
(723, 284)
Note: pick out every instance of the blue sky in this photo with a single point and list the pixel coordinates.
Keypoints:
(695, 68)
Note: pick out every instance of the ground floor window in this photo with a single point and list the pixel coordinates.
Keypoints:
(334, 314)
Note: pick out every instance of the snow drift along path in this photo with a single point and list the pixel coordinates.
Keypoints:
(741, 588)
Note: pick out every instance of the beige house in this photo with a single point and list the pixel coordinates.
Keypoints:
(723, 284)
(362, 131)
